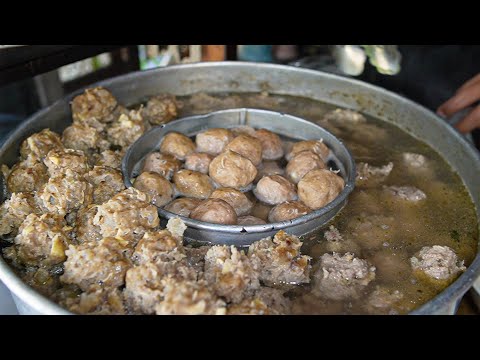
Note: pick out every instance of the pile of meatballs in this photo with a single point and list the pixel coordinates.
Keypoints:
(238, 176)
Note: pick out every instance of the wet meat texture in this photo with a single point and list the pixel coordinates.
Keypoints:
(158, 246)
(85, 229)
(266, 301)
(413, 160)
(14, 211)
(161, 109)
(85, 138)
(268, 168)
(198, 162)
(315, 146)
(98, 301)
(106, 183)
(102, 263)
(249, 220)
(58, 161)
(127, 129)
(38, 145)
(437, 262)
(230, 169)
(280, 260)
(128, 215)
(193, 184)
(342, 277)
(183, 206)
(97, 103)
(27, 176)
(274, 190)
(371, 176)
(238, 200)
(163, 164)
(319, 187)
(177, 145)
(213, 141)
(272, 147)
(408, 193)
(158, 189)
(301, 164)
(261, 210)
(215, 211)
(110, 158)
(288, 210)
(247, 146)
(231, 273)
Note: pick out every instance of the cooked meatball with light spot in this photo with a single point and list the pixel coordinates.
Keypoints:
(161, 109)
(193, 184)
(315, 146)
(177, 145)
(437, 263)
(158, 246)
(301, 164)
(342, 277)
(163, 164)
(280, 260)
(41, 240)
(127, 216)
(85, 138)
(38, 145)
(158, 189)
(96, 103)
(109, 158)
(238, 200)
(66, 193)
(272, 147)
(106, 182)
(275, 190)
(231, 274)
(27, 176)
(126, 130)
(250, 220)
(230, 169)
(288, 210)
(215, 211)
(198, 162)
(319, 187)
(183, 206)
(14, 211)
(102, 263)
(213, 141)
(267, 168)
(57, 161)
(247, 146)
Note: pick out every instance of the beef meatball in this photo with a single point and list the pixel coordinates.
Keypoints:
(183, 206)
(27, 176)
(247, 146)
(231, 274)
(198, 162)
(215, 211)
(238, 200)
(301, 164)
(342, 277)
(272, 146)
(161, 109)
(38, 145)
(243, 130)
(97, 103)
(102, 263)
(315, 146)
(85, 229)
(261, 210)
(193, 184)
(109, 158)
(106, 182)
(163, 164)
(288, 210)
(280, 260)
(85, 138)
(126, 130)
(158, 189)
(66, 193)
(213, 141)
(319, 187)
(177, 145)
(158, 246)
(437, 262)
(57, 161)
(230, 169)
(267, 168)
(250, 220)
(275, 190)
(14, 211)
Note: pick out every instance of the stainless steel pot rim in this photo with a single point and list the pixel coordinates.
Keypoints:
(44, 305)
(349, 181)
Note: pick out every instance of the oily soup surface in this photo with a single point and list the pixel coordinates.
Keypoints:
(447, 217)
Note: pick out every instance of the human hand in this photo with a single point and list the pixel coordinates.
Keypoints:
(466, 95)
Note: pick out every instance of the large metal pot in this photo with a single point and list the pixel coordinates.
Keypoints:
(251, 77)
